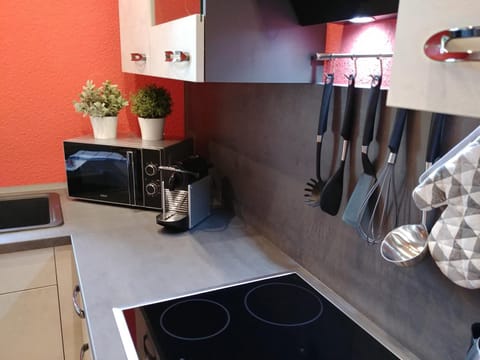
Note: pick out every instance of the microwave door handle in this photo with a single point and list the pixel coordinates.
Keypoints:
(132, 178)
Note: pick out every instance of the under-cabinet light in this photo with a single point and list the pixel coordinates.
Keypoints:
(362, 19)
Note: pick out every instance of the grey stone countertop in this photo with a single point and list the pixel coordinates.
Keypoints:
(124, 258)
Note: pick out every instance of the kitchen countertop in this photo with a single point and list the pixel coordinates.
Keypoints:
(124, 259)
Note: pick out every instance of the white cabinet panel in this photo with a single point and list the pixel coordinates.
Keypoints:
(418, 82)
(186, 35)
(30, 325)
(26, 270)
(139, 35)
(136, 20)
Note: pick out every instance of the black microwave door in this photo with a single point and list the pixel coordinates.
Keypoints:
(103, 173)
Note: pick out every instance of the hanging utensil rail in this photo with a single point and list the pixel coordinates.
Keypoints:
(330, 56)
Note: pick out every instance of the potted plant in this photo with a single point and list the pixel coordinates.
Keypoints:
(151, 104)
(102, 104)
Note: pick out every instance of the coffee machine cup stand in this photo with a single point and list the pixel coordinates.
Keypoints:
(185, 206)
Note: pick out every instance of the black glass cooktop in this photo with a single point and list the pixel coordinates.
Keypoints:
(278, 318)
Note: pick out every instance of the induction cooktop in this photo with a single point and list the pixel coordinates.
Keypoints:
(276, 318)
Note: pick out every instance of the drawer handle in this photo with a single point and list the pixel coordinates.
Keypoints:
(80, 312)
(83, 350)
(148, 354)
(435, 47)
(176, 56)
(137, 57)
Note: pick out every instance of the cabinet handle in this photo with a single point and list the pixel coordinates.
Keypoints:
(435, 47)
(138, 57)
(83, 350)
(148, 354)
(176, 56)
(80, 312)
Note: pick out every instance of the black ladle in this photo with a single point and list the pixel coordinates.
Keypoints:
(333, 189)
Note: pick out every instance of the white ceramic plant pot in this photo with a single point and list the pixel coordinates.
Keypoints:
(104, 127)
(151, 129)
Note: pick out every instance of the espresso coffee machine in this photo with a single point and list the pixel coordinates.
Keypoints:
(185, 187)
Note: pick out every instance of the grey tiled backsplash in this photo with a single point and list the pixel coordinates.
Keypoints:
(261, 138)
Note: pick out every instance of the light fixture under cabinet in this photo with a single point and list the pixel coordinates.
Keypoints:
(362, 19)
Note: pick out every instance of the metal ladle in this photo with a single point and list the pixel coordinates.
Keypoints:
(406, 245)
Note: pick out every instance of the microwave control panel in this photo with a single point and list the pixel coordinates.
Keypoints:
(151, 160)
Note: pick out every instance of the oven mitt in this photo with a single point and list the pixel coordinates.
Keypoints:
(454, 240)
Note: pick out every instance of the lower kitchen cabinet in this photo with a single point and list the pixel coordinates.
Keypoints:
(29, 269)
(74, 329)
(37, 317)
(29, 317)
(30, 325)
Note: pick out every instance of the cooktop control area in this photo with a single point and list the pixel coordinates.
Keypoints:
(276, 318)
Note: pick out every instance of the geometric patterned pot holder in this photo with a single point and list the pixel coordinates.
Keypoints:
(454, 240)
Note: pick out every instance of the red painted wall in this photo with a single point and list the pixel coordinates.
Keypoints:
(48, 51)
(167, 10)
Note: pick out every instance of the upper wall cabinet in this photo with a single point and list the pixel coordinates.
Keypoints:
(447, 79)
(146, 44)
(218, 41)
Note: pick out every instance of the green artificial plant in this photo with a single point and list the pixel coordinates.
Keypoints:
(106, 100)
(151, 102)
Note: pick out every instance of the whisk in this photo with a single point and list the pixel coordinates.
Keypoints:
(380, 205)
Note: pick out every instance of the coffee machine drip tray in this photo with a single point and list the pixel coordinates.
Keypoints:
(173, 219)
(280, 317)
(183, 209)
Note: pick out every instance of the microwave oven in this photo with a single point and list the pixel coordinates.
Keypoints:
(122, 171)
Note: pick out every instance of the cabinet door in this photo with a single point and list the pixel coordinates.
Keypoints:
(73, 330)
(139, 35)
(30, 325)
(24, 270)
(184, 35)
(418, 82)
(135, 23)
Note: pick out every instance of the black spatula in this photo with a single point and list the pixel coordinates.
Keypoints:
(333, 189)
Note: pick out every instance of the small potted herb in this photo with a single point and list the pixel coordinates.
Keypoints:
(151, 104)
(102, 104)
